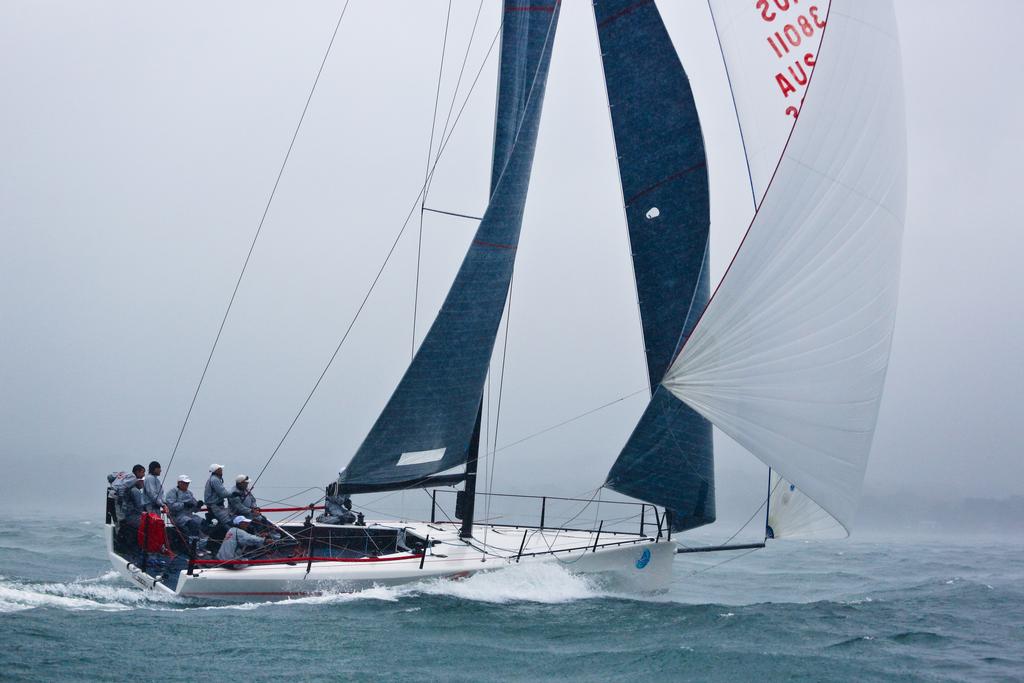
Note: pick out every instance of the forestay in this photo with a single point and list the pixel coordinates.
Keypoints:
(668, 460)
(427, 424)
(790, 356)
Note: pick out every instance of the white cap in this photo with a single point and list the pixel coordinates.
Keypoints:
(241, 477)
(214, 467)
(184, 478)
(240, 519)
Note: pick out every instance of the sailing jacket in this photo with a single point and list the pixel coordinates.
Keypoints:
(182, 505)
(241, 502)
(235, 542)
(215, 493)
(153, 493)
(134, 504)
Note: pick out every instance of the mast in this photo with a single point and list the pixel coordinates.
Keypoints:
(468, 494)
(429, 431)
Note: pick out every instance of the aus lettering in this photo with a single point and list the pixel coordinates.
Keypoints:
(796, 75)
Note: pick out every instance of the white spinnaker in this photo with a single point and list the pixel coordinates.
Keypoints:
(790, 356)
(769, 48)
(791, 514)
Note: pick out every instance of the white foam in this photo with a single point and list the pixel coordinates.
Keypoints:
(328, 597)
(382, 593)
(543, 582)
(87, 594)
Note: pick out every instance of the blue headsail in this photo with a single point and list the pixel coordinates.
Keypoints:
(427, 424)
(668, 460)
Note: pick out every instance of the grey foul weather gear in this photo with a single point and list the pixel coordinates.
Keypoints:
(214, 495)
(236, 541)
(241, 502)
(120, 483)
(153, 493)
(336, 511)
(244, 503)
(134, 505)
(183, 506)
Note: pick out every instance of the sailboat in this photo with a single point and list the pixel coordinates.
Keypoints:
(787, 356)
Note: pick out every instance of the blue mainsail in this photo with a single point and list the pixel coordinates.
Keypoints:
(668, 459)
(426, 427)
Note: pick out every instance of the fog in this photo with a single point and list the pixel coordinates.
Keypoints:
(140, 144)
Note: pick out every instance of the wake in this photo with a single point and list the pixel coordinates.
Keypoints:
(105, 593)
(540, 583)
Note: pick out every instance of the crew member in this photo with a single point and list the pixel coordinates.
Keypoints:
(240, 499)
(183, 506)
(238, 541)
(242, 502)
(133, 504)
(153, 490)
(120, 483)
(337, 507)
(216, 494)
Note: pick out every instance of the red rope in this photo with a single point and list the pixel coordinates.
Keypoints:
(304, 507)
(286, 560)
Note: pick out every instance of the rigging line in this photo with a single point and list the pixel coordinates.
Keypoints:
(736, 109)
(426, 178)
(452, 213)
(387, 258)
(759, 508)
(252, 245)
(485, 456)
(565, 422)
(286, 499)
(465, 61)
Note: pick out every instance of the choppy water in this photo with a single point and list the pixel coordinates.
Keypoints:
(852, 610)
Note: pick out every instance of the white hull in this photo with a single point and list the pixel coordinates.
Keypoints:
(625, 562)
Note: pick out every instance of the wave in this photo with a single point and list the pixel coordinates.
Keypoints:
(918, 638)
(99, 593)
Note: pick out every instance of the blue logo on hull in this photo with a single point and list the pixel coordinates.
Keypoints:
(644, 559)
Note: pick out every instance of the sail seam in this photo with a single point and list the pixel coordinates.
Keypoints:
(675, 176)
(495, 245)
(623, 12)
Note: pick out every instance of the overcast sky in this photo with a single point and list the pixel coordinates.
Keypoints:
(140, 142)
